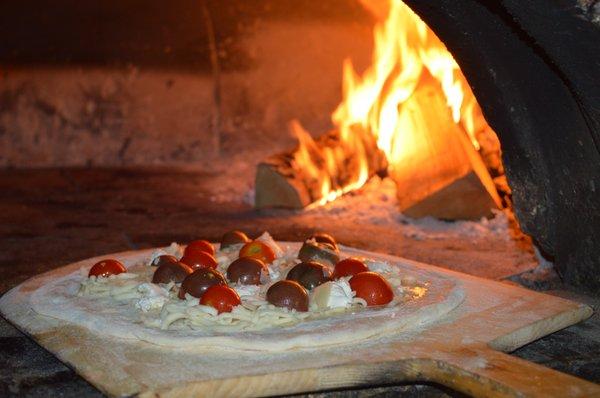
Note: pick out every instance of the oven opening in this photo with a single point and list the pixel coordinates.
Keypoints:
(411, 116)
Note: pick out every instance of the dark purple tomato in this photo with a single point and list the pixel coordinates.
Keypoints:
(199, 281)
(246, 271)
(322, 237)
(233, 238)
(171, 272)
(288, 294)
(309, 274)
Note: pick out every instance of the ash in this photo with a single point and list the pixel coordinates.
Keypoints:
(375, 203)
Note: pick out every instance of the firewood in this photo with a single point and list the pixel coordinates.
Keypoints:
(278, 186)
(284, 180)
(438, 172)
(436, 168)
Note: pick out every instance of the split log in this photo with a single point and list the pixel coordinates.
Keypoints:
(438, 172)
(286, 180)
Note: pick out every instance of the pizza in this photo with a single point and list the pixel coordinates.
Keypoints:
(247, 294)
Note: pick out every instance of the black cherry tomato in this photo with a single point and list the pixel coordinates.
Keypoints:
(199, 281)
(221, 297)
(171, 272)
(322, 237)
(164, 259)
(106, 268)
(259, 250)
(288, 294)
(372, 287)
(319, 252)
(309, 274)
(233, 238)
(246, 271)
(348, 267)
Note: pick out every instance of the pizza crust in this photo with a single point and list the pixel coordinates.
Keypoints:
(56, 298)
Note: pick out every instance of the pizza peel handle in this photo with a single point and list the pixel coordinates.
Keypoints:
(476, 371)
(484, 372)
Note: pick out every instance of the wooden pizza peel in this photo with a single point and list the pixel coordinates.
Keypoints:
(463, 351)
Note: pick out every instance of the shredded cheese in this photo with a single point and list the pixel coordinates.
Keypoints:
(160, 307)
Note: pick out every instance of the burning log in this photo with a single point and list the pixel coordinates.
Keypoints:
(438, 172)
(435, 166)
(419, 110)
(318, 170)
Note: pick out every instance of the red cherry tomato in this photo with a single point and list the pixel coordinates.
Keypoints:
(200, 245)
(198, 259)
(107, 267)
(349, 267)
(259, 250)
(221, 297)
(372, 287)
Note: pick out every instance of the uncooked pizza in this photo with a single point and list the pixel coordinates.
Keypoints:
(245, 294)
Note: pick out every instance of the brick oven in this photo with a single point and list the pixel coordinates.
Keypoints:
(463, 134)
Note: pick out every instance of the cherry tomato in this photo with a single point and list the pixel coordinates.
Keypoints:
(171, 272)
(198, 259)
(322, 237)
(372, 287)
(233, 238)
(259, 250)
(198, 282)
(288, 294)
(310, 274)
(349, 267)
(246, 271)
(107, 267)
(200, 245)
(221, 297)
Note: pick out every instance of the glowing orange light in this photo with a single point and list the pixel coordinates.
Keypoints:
(405, 49)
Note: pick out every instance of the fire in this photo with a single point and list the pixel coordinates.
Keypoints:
(323, 164)
(407, 55)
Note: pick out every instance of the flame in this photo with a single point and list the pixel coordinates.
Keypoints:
(405, 50)
(321, 165)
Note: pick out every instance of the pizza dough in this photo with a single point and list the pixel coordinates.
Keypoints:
(57, 297)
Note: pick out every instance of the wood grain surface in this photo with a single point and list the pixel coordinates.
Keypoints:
(459, 352)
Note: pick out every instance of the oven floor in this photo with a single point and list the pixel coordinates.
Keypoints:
(52, 217)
